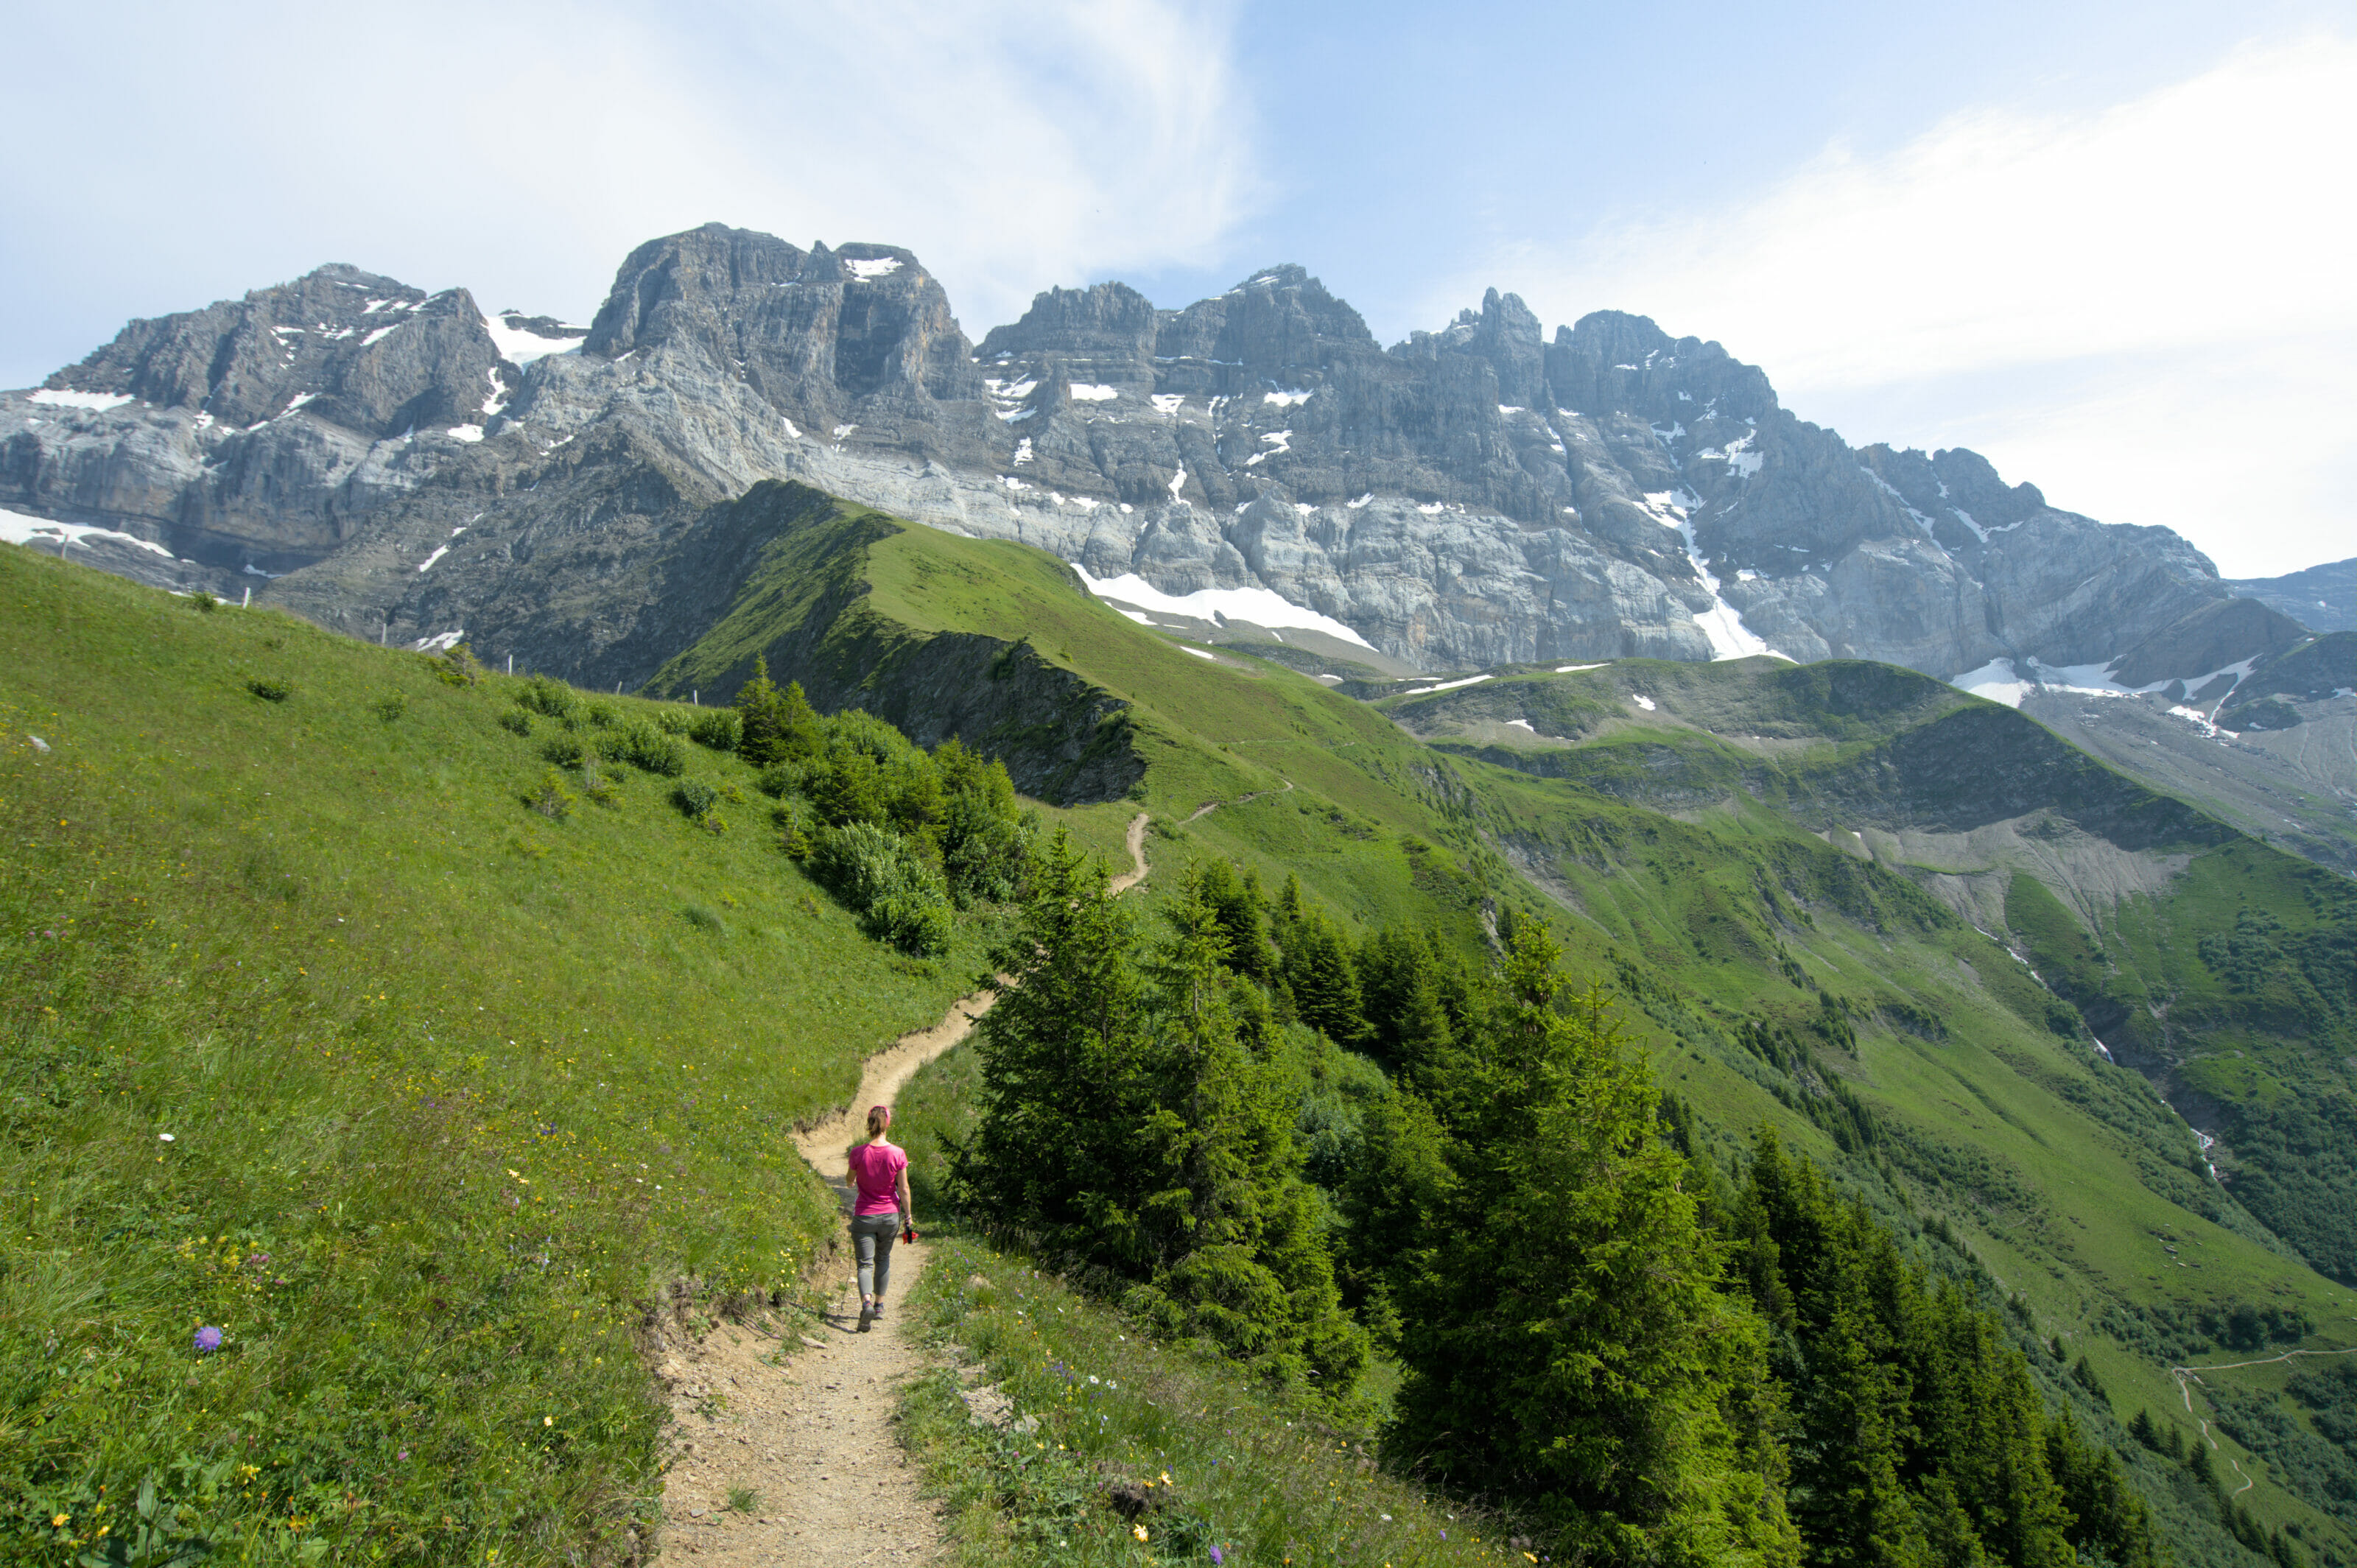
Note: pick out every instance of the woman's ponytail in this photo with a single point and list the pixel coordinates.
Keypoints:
(878, 1118)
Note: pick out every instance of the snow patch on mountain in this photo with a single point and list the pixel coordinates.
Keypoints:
(519, 345)
(96, 401)
(17, 527)
(1996, 680)
(1260, 607)
(1722, 622)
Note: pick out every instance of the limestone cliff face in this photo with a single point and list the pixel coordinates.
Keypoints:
(1476, 494)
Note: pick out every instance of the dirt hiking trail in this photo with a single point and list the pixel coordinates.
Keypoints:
(795, 1422)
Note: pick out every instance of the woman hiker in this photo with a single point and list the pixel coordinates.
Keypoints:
(879, 1211)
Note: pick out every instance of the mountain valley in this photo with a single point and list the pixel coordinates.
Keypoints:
(1994, 859)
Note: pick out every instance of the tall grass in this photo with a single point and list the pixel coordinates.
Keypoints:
(1085, 1409)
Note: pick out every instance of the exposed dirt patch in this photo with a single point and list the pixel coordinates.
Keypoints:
(806, 1428)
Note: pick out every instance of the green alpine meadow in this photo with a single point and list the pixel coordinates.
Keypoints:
(1627, 1114)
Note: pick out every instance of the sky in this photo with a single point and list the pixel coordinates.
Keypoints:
(2105, 245)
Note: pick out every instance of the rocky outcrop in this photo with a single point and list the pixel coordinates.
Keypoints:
(1472, 495)
(2213, 636)
(2321, 598)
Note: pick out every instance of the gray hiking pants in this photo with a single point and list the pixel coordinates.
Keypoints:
(872, 1236)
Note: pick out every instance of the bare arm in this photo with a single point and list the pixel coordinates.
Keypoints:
(901, 1190)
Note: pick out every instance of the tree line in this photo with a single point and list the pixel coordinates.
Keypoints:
(1257, 1134)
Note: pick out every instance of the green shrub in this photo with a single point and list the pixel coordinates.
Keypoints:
(719, 728)
(643, 746)
(554, 699)
(390, 707)
(880, 877)
(564, 750)
(913, 923)
(984, 833)
(515, 721)
(671, 721)
(779, 779)
(600, 716)
(695, 797)
(703, 919)
(456, 666)
(270, 690)
(550, 799)
(204, 601)
(793, 830)
(596, 782)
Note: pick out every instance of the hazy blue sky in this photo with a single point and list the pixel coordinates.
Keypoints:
(2106, 245)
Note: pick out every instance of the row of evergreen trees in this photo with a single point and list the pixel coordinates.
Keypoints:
(1593, 1325)
(1139, 1106)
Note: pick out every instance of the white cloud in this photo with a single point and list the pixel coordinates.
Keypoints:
(522, 150)
(2203, 228)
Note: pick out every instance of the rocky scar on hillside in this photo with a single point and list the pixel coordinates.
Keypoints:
(402, 465)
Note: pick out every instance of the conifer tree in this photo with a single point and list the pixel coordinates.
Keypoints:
(1561, 1330)
(1060, 1060)
(1899, 1383)
(1319, 972)
(1244, 918)
(1234, 1232)
(799, 729)
(1124, 1122)
(1407, 1023)
(760, 738)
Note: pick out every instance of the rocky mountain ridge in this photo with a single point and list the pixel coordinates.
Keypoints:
(2321, 598)
(404, 465)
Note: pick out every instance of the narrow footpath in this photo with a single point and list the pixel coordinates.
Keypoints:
(785, 1454)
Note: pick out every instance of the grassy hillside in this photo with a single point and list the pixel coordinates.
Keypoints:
(316, 1034)
(1763, 844)
(1987, 1105)
(458, 1092)
(2213, 963)
(859, 606)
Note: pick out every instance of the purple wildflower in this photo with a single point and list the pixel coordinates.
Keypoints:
(207, 1339)
(1218, 1556)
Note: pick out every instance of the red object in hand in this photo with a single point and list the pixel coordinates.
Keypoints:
(908, 1233)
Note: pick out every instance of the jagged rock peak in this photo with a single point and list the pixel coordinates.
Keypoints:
(1106, 321)
(810, 331)
(1955, 495)
(1285, 275)
(362, 350)
(1610, 359)
(1477, 494)
(1505, 334)
(1275, 326)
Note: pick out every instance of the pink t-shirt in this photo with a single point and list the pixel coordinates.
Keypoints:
(875, 1173)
